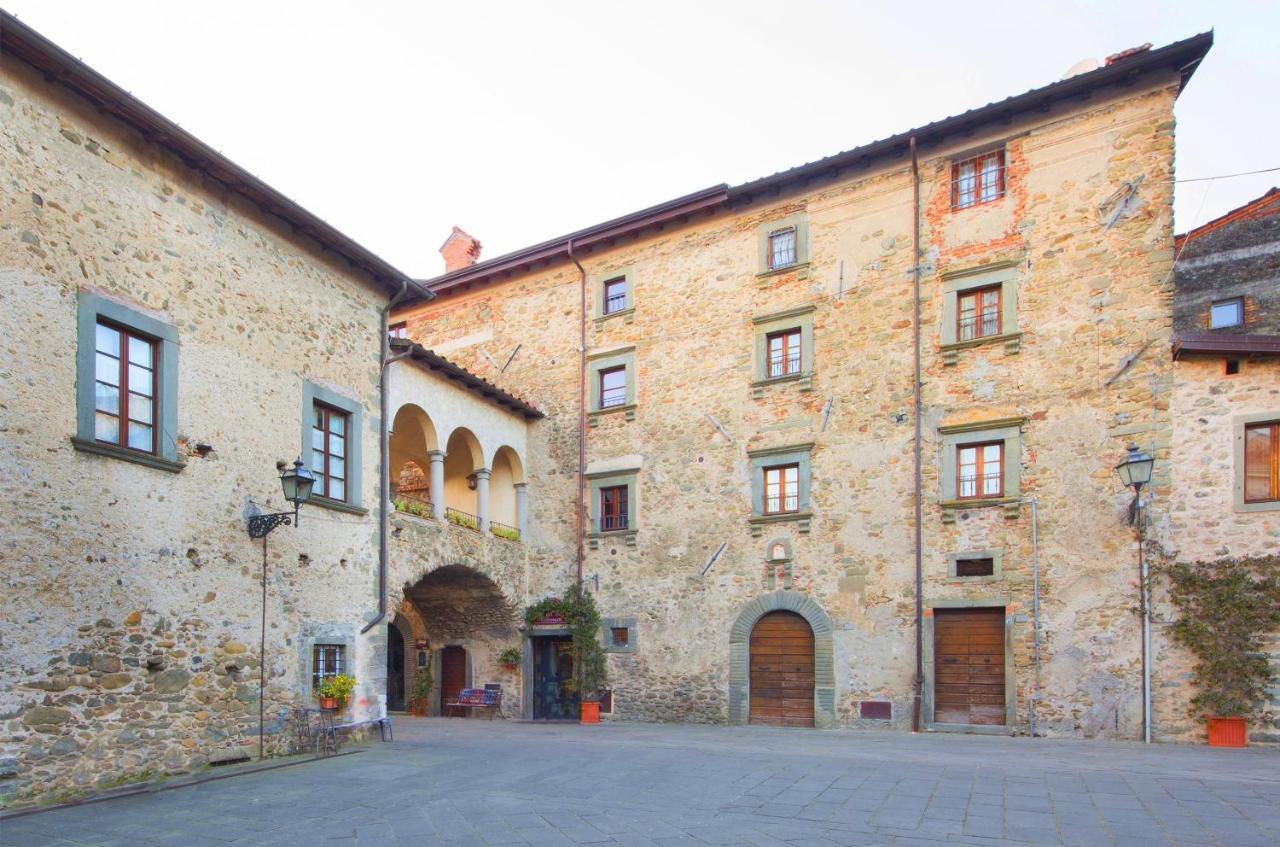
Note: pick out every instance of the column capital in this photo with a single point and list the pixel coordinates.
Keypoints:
(519, 486)
(482, 473)
(435, 455)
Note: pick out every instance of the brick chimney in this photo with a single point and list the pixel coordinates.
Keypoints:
(460, 250)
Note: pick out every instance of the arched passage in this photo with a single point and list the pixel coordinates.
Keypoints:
(507, 473)
(824, 674)
(413, 437)
(462, 459)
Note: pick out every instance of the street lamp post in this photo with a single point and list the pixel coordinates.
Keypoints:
(297, 485)
(1135, 472)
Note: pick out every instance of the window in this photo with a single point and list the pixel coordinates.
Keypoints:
(978, 313)
(784, 352)
(400, 330)
(620, 635)
(1231, 367)
(975, 567)
(1262, 462)
(980, 470)
(329, 430)
(1227, 313)
(613, 387)
(782, 248)
(613, 508)
(782, 489)
(124, 388)
(326, 661)
(615, 295)
(977, 180)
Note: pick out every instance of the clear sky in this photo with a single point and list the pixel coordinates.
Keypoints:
(520, 121)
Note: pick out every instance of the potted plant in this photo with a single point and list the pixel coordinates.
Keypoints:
(335, 691)
(509, 659)
(420, 695)
(1225, 611)
(590, 673)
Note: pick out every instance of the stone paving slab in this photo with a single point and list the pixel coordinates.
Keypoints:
(480, 783)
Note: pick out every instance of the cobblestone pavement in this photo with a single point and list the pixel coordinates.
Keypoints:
(479, 783)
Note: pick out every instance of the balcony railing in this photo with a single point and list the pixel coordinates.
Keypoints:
(503, 531)
(462, 519)
(411, 504)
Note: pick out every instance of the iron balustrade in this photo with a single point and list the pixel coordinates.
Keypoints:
(504, 531)
(457, 517)
(411, 504)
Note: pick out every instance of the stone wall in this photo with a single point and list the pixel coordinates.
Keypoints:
(1086, 373)
(130, 621)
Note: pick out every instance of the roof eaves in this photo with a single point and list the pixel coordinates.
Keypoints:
(1215, 344)
(434, 362)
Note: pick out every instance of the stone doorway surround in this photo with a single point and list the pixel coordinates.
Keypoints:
(824, 670)
(1010, 687)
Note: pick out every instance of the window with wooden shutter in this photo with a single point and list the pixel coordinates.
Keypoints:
(1262, 462)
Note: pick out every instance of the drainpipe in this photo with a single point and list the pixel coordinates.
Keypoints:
(384, 453)
(1035, 607)
(918, 682)
(582, 404)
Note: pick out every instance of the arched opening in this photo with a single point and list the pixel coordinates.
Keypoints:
(781, 671)
(413, 436)
(469, 622)
(395, 667)
(462, 459)
(742, 681)
(507, 472)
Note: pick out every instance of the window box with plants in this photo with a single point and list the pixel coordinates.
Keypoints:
(590, 673)
(334, 692)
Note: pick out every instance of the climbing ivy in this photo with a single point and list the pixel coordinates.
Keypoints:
(1225, 610)
(582, 618)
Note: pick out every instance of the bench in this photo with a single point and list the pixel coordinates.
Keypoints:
(489, 699)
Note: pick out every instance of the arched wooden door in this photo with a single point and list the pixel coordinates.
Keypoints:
(782, 679)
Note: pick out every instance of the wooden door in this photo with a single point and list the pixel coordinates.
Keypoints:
(453, 672)
(782, 670)
(968, 680)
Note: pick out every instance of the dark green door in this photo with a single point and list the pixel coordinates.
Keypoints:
(553, 695)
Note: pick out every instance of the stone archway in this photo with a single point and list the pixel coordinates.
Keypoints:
(824, 689)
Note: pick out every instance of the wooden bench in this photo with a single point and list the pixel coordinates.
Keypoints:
(489, 699)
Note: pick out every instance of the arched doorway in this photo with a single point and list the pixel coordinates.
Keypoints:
(821, 648)
(781, 671)
(395, 668)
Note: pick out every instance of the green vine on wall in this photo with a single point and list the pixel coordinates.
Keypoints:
(582, 619)
(1225, 610)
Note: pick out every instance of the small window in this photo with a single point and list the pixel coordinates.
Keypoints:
(784, 352)
(1227, 313)
(124, 389)
(1232, 367)
(1262, 462)
(329, 451)
(613, 387)
(977, 180)
(980, 470)
(613, 508)
(615, 295)
(782, 248)
(326, 661)
(781, 489)
(400, 330)
(978, 313)
(975, 567)
(621, 636)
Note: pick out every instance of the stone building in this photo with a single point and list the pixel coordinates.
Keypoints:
(739, 367)
(1225, 498)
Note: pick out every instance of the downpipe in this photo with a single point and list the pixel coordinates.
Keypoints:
(582, 406)
(918, 681)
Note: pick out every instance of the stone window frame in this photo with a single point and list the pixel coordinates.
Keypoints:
(90, 308)
(997, 566)
(312, 394)
(596, 362)
(799, 221)
(627, 313)
(1238, 424)
(610, 479)
(1004, 274)
(950, 438)
(793, 454)
(313, 633)
(798, 317)
(609, 624)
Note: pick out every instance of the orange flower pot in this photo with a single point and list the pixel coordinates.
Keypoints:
(328, 703)
(590, 711)
(1226, 732)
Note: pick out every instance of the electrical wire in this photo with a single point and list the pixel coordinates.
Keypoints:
(1225, 176)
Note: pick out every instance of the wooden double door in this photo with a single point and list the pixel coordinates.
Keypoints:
(782, 676)
(968, 656)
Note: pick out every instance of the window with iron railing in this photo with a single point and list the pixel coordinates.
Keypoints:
(613, 387)
(782, 248)
(978, 313)
(615, 295)
(980, 179)
(784, 352)
(613, 508)
(326, 661)
(781, 489)
(980, 470)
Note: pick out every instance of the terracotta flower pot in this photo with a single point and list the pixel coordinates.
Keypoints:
(1226, 732)
(510, 668)
(590, 711)
(328, 703)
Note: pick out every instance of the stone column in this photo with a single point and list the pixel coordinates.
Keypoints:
(522, 508)
(482, 497)
(436, 458)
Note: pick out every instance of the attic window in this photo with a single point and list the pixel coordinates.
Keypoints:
(1226, 313)
(975, 567)
(977, 180)
(400, 330)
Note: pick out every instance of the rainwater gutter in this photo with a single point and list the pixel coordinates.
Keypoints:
(1035, 609)
(582, 404)
(918, 681)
